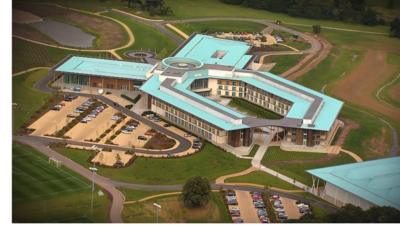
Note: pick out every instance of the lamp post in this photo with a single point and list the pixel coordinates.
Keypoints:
(157, 207)
(94, 170)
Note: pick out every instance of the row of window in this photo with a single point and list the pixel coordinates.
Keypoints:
(189, 126)
(185, 116)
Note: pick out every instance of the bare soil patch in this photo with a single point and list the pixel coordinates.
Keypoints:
(110, 33)
(359, 86)
(378, 146)
(394, 92)
(160, 141)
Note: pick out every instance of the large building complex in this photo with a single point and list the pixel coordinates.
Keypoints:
(364, 184)
(184, 87)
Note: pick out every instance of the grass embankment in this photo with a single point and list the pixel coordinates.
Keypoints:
(262, 178)
(135, 195)
(220, 26)
(28, 99)
(295, 164)
(283, 62)
(173, 211)
(146, 37)
(27, 55)
(252, 109)
(46, 194)
(211, 162)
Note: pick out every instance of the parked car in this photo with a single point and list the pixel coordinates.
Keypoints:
(71, 116)
(167, 125)
(231, 193)
(264, 219)
(141, 137)
(57, 107)
(187, 135)
(69, 98)
(126, 131)
(77, 89)
(237, 220)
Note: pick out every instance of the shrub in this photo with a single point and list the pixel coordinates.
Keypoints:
(196, 192)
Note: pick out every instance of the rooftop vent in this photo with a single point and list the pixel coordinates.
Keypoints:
(219, 54)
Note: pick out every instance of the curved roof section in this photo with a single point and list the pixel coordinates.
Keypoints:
(105, 67)
(211, 50)
(376, 181)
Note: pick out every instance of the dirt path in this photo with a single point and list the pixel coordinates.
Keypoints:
(359, 86)
(309, 62)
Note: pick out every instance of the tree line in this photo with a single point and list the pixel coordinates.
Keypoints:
(154, 7)
(356, 11)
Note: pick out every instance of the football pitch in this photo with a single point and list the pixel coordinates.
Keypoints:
(43, 192)
(34, 178)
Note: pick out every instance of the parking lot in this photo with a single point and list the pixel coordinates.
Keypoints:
(54, 120)
(131, 139)
(94, 128)
(246, 207)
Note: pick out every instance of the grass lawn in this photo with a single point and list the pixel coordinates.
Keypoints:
(283, 62)
(28, 99)
(262, 178)
(295, 164)
(347, 53)
(253, 150)
(41, 192)
(173, 211)
(27, 55)
(212, 8)
(146, 37)
(392, 58)
(252, 109)
(134, 195)
(220, 26)
(211, 163)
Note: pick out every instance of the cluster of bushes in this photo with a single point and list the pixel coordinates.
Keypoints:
(154, 7)
(356, 11)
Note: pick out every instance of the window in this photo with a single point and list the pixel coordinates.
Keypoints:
(234, 94)
(226, 93)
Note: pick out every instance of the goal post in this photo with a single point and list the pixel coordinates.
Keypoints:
(55, 161)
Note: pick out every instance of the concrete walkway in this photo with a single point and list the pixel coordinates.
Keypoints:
(352, 154)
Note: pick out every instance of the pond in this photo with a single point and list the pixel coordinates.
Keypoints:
(65, 34)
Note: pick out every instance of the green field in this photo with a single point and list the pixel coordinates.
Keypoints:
(349, 49)
(211, 163)
(41, 192)
(283, 62)
(252, 109)
(27, 55)
(146, 37)
(394, 59)
(134, 195)
(183, 9)
(254, 150)
(262, 178)
(295, 164)
(27, 98)
(173, 211)
(220, 26)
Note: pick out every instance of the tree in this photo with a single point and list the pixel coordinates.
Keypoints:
(390, 4)
(369, 18)
(196, 192)
(395, 27)
(316, 29)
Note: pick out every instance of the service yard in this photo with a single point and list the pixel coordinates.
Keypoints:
(53, 120)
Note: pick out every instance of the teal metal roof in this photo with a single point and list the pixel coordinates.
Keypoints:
(203, 47)
(326, 116)
(105, 67)
(377, 181)
(152, 87)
